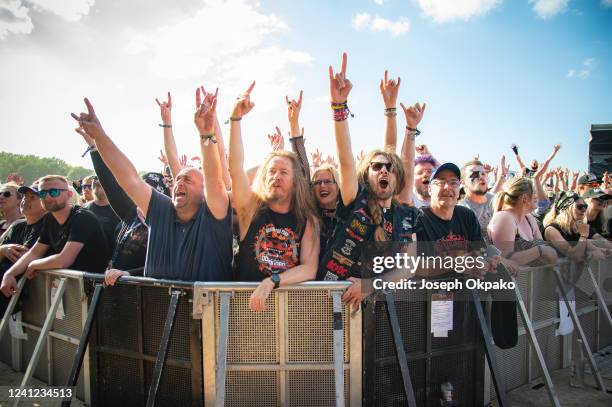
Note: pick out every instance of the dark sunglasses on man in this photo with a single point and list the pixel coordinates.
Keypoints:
(377, 166)
(53, 192)
(6, 194)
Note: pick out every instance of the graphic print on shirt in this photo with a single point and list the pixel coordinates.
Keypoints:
(451, 245)
(276, 249)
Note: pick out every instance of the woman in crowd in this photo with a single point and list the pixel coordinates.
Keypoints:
(513, 229)
(596, 217)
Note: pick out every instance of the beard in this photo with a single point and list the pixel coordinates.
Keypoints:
(54, 206)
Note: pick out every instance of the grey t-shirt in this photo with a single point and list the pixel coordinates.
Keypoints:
(199, 250)
(417, 202)
(484, 212)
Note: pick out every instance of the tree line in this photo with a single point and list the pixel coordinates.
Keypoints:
(31, 167)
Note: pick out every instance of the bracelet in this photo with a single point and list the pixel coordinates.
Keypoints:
(539, 251)
(341, 111)
(165, 126)
(295, 137)
(391, 112)
(207, 138)
(233, 119)
(413, 130)
(89, 148)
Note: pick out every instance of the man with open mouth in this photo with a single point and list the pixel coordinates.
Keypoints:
(373, 196)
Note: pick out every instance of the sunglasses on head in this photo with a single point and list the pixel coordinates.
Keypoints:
(53, 192)
(323, 182)
(377, 166)
(582, 207)
(6, 194)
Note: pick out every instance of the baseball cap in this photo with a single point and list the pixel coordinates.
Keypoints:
(587, 179)
(446, 167)
(597, 193)
(32, 188)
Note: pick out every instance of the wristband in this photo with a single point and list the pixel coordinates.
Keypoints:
(341, 111)
(165, 126)
(207, 138)
(413, 130)
(233, 119)
(89, 148)
(391, 112)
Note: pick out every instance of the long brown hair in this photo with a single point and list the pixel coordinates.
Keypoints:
(514, 188)
(302, 202)
(397, 168)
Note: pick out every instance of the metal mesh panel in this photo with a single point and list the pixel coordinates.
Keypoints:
(588, 322)
(34, 296)
(310, 334)
(119, 381)
(174, 387)
(552, 349)
(513, 365)
(253, 388)
(389, 390)
(464, 327)
(459, 369)
(412, 317)
(312, 388)
(116, 318)
(545, 298)
(253, 336)
(63, 356)
(155, 308)
(6, 349)
(605, 330)
(522, 282)
(26, 354)
(71, 324)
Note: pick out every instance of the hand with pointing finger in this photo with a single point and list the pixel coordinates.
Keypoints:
(243, 104)
(413, 114)
(165, 109)
(339, 86)
(389, 88)
(89, 122)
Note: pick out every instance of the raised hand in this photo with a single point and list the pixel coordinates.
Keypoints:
(183, 160)
(360, 156)
(339, 86)
(413, 114)
(331, 161)
(162, 157)
(277, 142)
(421, 149)
(165, 109)
(293, 108)
(487, 168)
(243, 104)
(206, 114)
(389, 88)
(16, 178)
(317, 158)
(557, 147)
(88, 122)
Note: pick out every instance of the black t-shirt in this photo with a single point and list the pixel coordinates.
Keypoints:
(108, 220)
(131, 244)
(20, 233)
(455, 237)
(271, 245)
(82, 226)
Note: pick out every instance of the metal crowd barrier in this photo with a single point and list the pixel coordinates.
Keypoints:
(157, 342)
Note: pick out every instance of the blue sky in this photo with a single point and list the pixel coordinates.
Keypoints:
(492, 72)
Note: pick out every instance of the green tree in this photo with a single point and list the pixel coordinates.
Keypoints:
(32, 167)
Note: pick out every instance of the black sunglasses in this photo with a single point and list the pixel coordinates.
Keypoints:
(6, 194)
(86, 186)
(582, 207)
(377, 166)
(53, 192)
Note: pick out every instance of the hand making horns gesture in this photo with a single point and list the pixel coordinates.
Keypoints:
(339, 86)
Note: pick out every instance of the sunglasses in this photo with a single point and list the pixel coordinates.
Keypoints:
(582, 207)
(323, 182)
(6, 194)
(53, 192)
(376, 166)
(86, 186)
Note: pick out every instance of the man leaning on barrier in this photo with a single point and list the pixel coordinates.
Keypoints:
(189, 236)
(71, 237)
(279, 231)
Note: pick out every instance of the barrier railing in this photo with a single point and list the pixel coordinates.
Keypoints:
(147, 338)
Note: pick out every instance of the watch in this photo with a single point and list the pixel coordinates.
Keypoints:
(275, 277)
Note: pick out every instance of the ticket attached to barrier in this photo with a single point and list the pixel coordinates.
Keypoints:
(59, 314)
(441, 314)
(16, 327)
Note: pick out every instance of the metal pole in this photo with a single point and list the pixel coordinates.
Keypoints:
(399, 347)
(83, 341)
(578, 326)
(550, 387)
(163, 347)
(338, 347)
(43, 335)
(489, 351)
(11, 306)
(600, 297)
(222, 347)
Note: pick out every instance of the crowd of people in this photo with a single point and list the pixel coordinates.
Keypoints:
(294, 219)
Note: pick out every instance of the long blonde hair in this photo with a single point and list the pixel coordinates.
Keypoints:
(514, 188)
(302, 202)
(397, 168)
(564, 218)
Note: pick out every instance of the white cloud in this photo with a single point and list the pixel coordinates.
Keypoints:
(71, 10)
(606, 3)
(584, 71)
(548, 8)
(442, 11)
(363, 21)
(379, 2)
(14, 18)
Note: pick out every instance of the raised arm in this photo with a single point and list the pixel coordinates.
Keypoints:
(339, 89)
(124, 171)
(518, 158)
(222, 155)
(413, 115)
(296, 137)
(165, 110)
(544, 167)
(242, 193)
(389, 88)
(205, 119)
